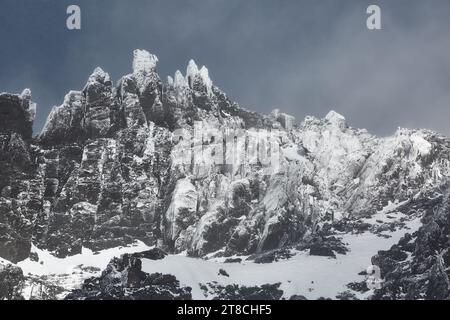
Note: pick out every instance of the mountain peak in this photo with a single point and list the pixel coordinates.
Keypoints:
(204, 74)
(26, 94)
(192, 68)
(336, 119)
(178, 81)
(193, 73)
(144, 61)
(98, 75)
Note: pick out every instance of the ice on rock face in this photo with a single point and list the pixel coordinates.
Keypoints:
(192, 73)
(61, 117)
(421, 145)
(144, 70)
(26, 94)
(74, 97)
(336, 119)
(192, 70)
(179, 81)
(180, 84)
(169, 80)
(98, 75)
(31, 111)
(204, 74)
(144, 61)
(30, 107)
(182, 206)
(180, 193)
(412, 143)
(287, 121)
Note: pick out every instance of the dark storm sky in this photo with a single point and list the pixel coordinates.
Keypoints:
(302, 56)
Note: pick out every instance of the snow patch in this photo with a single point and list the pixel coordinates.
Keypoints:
(310, 276)
(49, 264)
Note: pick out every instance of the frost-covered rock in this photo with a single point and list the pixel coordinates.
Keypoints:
(144, 61)
(91, 113)
(336, 119)
(180, 165)
(417, 267)
(198, 79)
(287, 121)
(123, 279)
(101, 111)
(20, 195)
(182, 211)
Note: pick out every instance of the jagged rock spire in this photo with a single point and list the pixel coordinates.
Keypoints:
(98, 75)
(28, 105)
(179, 80)
(191, 70)
(26, 94)
(336, 119)
(17, 113)
(144, 61)
(193, 73)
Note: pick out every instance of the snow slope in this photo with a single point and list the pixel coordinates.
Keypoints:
(49, 264)
(310, 276)
(70, 272)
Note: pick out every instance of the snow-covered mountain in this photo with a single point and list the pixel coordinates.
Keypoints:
(178, 166)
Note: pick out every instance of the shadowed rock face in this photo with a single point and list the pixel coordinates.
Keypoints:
(425, 275)
(123, 279)
(17, 210)
(106, 169)
(15, 115)
(11, 278)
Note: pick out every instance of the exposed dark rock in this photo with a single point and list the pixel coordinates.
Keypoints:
(358, 286)
(235, 292)
(123, 279)
(271, 256)
(152, 254)
(105, 171)
(223, 273)
(426, 274)
(319, 249)
(16, 176)
(34, 256)
(233, 260)
(11, 280)
(388, 260)
(17, 114)
(297, 297)
(346, 295)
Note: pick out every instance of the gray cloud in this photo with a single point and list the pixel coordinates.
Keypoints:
(304, 57)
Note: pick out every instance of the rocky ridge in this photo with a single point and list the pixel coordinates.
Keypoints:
(125, 162)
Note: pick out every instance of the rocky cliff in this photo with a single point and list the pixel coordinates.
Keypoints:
(177, 164)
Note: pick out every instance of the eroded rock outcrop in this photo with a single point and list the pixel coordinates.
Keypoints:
(123, 279)
(11, 281)
(19, 187)
(418, 267)
(180, 165)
